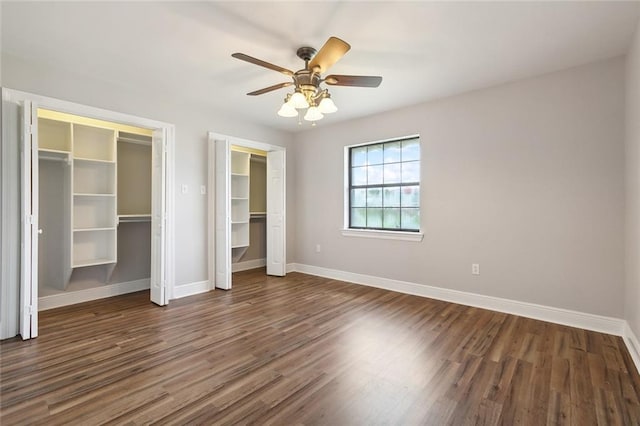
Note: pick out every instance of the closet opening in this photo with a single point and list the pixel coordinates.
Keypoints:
(248, 208)
(247, 216)
(67, 242)
(94, 208)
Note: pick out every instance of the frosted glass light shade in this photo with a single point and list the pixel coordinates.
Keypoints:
(287, 110)
(327, 106)
(313, 114)
(298, 101)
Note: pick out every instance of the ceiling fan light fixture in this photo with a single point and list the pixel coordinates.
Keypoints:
(287, 110)
(313, 114)
(298, 100)
(309, 95)
(326, 105)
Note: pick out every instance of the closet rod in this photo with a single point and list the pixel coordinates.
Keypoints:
(136, 141)
(134, 218)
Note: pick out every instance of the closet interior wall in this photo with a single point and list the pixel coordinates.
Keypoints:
(257, 208)
(134, 208)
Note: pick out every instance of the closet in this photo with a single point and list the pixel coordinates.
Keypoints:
(248, 208)
(94, 205)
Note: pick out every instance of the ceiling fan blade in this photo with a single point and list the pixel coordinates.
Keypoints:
(329, 54)
(262, 63)
(353, 80)
(270, 88)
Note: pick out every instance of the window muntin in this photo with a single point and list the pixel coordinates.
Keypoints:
(384, 185)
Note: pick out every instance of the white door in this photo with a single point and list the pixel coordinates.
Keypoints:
(29, 222)
(223, 214)
(276, 248)
(158, 219)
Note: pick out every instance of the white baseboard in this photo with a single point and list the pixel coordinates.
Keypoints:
(190, 289)
(80, 296)
(567, 317)
(248, 264)
(633, 344)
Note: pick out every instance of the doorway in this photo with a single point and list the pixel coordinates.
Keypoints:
(229, 211)
(92, 241)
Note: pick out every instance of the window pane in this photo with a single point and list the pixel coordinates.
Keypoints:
(392, 152)
(411, 171)
(391, 196)
(385, 185)
(358, 156)
(374, 197)
(359, 197)
(374, 218)
(374, 155)
(359, 176)
(410, 219)
(392, 173)
(410, 196)
(411, 150)
(391, 218)
(375, 175)
(359, 218)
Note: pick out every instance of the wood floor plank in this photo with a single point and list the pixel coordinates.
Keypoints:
(314, 351)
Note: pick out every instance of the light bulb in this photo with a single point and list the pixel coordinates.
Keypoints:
(327, 106)
(313, 114)
(298, 100)
(286, 110)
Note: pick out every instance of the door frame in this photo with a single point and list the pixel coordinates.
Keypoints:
(11, 287)
(212, 205)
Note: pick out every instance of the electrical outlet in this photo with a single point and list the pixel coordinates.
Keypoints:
(203, 190)
(185, 188)
(475, 269)
(317, 248)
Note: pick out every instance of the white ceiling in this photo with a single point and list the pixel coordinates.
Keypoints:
(423, 50)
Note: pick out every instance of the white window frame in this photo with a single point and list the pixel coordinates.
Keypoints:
(376, 233)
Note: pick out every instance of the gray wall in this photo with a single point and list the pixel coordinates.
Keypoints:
(632, 156)
(524, 178)
(192, 124)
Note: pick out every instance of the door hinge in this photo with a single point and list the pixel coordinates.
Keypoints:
(31, 219)
(29, 309)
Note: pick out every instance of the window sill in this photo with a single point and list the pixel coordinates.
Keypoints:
(385, 235)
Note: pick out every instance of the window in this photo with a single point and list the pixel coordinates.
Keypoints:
(384, 185)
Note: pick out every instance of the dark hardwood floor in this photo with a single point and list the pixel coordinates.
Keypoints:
(308, 350)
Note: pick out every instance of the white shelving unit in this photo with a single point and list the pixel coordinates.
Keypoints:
(94, 218)
(240, 199)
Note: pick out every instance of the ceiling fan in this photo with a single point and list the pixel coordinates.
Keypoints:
(307, 91)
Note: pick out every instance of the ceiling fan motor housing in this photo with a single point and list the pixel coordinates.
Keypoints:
(306, 53)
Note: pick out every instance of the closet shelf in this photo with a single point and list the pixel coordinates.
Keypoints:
(239, 222)
(93, 262)
(239, 198)
(93, 229)
(53, 154)
(240, 175)
(84, 194)
(258, 215)
(93, 160)
(57, 151)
